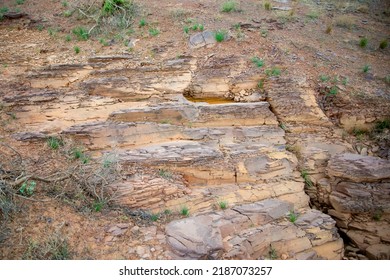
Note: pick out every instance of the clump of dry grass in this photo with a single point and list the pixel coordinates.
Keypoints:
(345, 21)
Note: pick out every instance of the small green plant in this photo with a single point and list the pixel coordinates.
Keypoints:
(142, 22)
(223, 204)
(40, 27)
(154, 217)
(366, 68)
(267, 6)
(201, 27)
(381, 126)
(264, 33)
(220, 35)
(260, 84)
(306, 178)
(273, 255)
(387, 79)
(273, 72)
(292, 216)
(377, 216)
(313, 15)
(154, 31)
(81, 33)
(78, 153)
(360, 133)
(363, 42)
(333, 91)
(103, 42)
(20, 2)
(54, 143)
(98, 205)
(3, 10)
(165, 174)
(27, 188)
(257, 61)
(345, 81)
(68, 38)
(65, 4)
(67, 13)
(76, 49)
(186, 29)
(324, 78)
(284, 127)
(184, 211)
(52, 31)
(167, 212)
(383, 44)
(229, 6)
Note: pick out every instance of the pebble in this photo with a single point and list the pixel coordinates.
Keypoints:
(134, 229)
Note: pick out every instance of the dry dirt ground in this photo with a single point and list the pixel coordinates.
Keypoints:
(318, 39)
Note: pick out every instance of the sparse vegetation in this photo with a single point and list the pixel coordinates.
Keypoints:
(313, 15)
(68, 38)
(28, 188)
(257, 61)
(272, 254)
(229, 6)
(165, 174)
(383, 44)
(223, 204)
(306, 177)
(184, 211)
(154, 31)
(260, 84)
(267, 6)
(67, 13)
(76, 49)
(53, 248)
(20, 2)
(366, 68)
(329, 29)
(142, 22)
(324, 78)
(273, 72)
(81, 33)
(154, 217)
(292, 216)
(333, 91)
(377, 216)
(54, 143)
(345, 21)
(363, 42)
(220, 35)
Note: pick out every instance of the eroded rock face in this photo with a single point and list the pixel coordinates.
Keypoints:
(360, 194)
(252, 231)
(175, 152)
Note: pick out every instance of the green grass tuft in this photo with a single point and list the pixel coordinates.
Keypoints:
(81, 33)
(229, 6)
(257, 61)
(54, 143)
(220, 35)
(292, 216)
(383, 44)
(184, 211)
(154, 31)
(363, 42)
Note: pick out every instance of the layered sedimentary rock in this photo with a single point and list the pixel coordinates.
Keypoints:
(253, 231)
(177, 153)
(360, 194)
